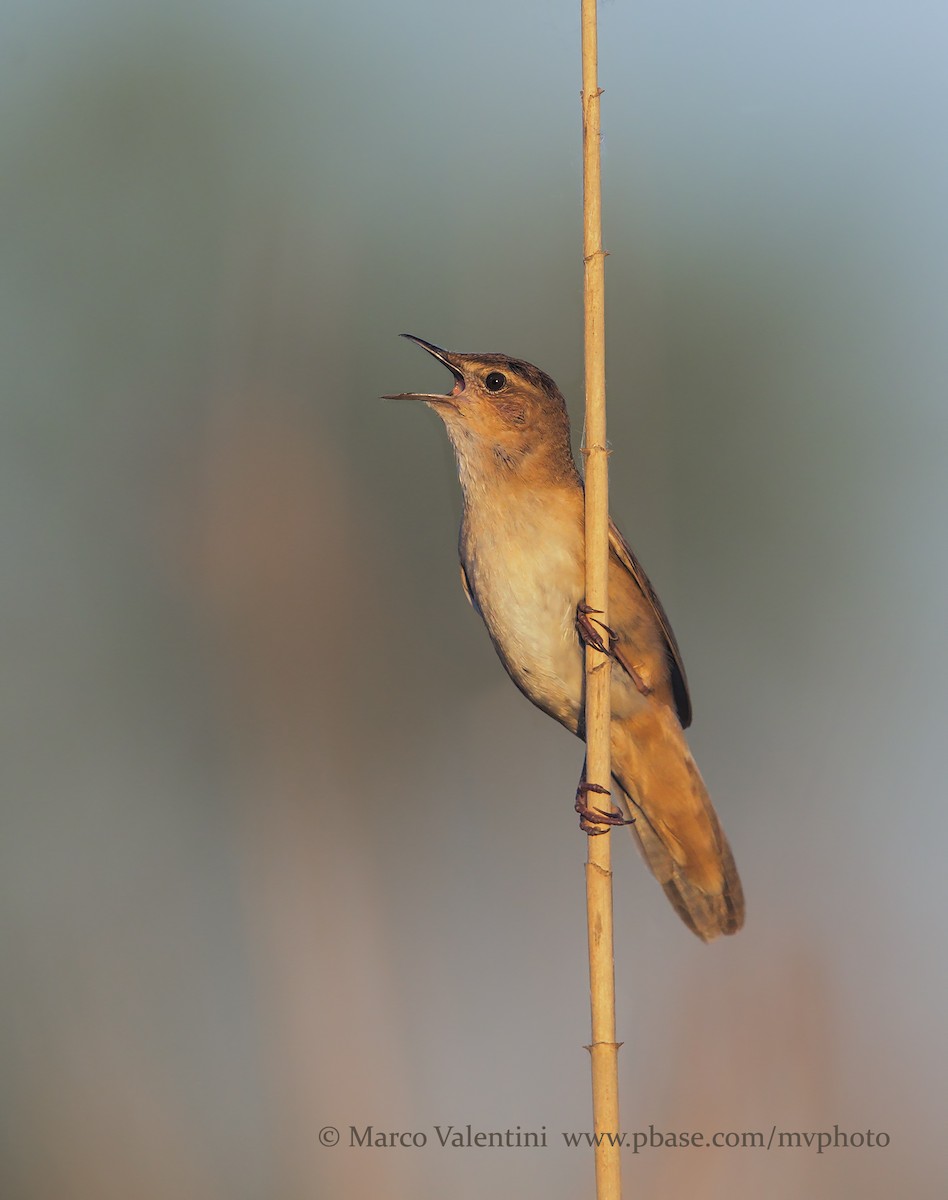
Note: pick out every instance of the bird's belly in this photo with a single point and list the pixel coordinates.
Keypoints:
(527, 581)
(539, 646)
(528, 601)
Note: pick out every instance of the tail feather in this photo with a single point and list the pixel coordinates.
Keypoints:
(676, 826)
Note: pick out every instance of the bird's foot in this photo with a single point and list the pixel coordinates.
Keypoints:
(586, 625)
(591, 820)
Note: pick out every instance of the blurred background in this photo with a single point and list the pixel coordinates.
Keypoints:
(282, 847)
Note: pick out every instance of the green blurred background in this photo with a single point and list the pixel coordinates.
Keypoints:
(282, 847)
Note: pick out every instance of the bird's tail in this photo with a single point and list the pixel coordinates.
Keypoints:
(675, 825)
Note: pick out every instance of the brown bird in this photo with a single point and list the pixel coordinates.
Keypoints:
(522, 566)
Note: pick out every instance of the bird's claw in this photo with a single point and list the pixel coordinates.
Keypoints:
(586, 625)
(591, 820)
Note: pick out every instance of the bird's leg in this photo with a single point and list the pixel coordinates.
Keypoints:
(586, 625)
(590, 819)
(634, 675)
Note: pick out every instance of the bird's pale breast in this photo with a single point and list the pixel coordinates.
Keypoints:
(525, 573)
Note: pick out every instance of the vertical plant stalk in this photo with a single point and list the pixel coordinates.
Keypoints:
(604, 1050)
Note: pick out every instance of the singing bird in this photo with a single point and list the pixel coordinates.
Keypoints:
(522, 551)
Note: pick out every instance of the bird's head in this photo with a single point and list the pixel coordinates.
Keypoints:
(500, 406)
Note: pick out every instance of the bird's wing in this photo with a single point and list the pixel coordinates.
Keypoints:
(679, 682)
(466, 584)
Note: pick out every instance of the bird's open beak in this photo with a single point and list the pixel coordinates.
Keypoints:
(443, 357)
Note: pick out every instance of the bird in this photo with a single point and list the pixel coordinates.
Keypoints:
(522, 552)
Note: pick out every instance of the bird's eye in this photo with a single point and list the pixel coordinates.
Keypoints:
(495, 381)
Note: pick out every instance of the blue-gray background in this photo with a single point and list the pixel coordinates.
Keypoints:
(282, 848)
